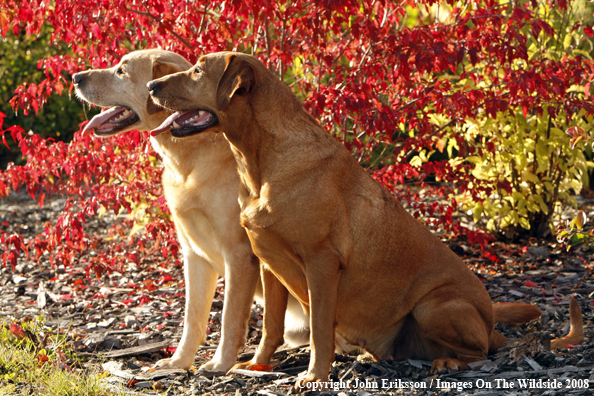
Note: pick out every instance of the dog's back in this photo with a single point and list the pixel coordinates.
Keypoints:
(394, 273)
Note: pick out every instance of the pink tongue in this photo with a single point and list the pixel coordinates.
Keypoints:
(166, 125)
(102, 117)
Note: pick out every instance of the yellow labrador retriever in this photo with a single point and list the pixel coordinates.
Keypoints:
(200, 181)
(360, 264)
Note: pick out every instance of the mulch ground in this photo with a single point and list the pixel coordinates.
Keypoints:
(114, 325)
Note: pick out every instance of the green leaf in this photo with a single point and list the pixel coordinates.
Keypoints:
(567, 41)
(477, 212)
(481, 173)
(582, 53)
(531, 177)
(538, 199)
(577, 239)
(580, 220)
(416, 161)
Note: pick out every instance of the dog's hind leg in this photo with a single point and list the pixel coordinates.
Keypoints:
(275, 304)
(454, 333)
(201, 280)
(240, 282)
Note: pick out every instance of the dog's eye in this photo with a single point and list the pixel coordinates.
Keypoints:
(197, 70)
(120, 71)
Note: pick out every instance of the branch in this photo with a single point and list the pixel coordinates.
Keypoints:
(144, 189)
(154, 18)
(411, 152)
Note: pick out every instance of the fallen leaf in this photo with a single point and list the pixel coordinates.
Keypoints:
(261, 367)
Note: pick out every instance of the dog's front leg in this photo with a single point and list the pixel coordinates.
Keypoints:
(241, 275)
(323, 273)
(275, 304)
(201, 280)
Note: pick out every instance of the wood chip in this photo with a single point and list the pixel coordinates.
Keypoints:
(94, 339)
(418, 363)
(478, 365)
(158, 374)
(517, 293)
(257, 374)
(138, 350)
(535, 366)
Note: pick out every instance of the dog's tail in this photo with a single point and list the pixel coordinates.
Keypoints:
(296, 324)
(576, 327)
(510, 313)
(515, 313)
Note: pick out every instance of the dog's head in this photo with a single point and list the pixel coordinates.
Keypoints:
(203, 96)
(122, 88)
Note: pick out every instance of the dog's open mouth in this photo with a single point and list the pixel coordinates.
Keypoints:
(112, 120)
(186, 123)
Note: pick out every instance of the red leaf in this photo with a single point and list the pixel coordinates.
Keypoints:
(144, 299)
(4, 141)
(41, 359)
(588, 31)
(171, 349)
(575, 131)
(35, 105)
(165, 278)
(530, 284)
(261, 367)
(96, 30)
(17, 330)
(491, 257)
(131, 383)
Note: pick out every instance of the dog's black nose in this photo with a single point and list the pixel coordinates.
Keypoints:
(76, 78)
(153, 86)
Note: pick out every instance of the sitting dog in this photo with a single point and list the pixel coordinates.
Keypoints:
(200, 182)
(362, 267)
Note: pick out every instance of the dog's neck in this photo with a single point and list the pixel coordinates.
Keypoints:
(263, 141)
(180, 156)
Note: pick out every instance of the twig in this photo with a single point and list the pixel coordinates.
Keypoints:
(144, 189)
(149, 15)
(411, 152)
(350, 370)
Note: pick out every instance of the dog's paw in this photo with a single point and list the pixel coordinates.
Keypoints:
(447, 364)
(214, 368)
(173, 363)
(244, 365)
(366, 357)
(309, 383)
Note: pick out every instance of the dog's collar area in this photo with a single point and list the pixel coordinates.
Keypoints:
(187, 123)
(112, 120)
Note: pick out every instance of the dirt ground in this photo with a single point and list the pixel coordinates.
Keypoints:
(112, 324)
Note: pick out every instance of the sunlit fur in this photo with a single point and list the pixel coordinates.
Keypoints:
(201, 186)
(357, 261)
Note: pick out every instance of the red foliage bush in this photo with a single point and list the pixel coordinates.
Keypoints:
(372, 81)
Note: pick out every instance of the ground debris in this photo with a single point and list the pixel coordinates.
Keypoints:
(132, 326)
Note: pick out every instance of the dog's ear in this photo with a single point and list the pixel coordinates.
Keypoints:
(238, 78)
(160, 69)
